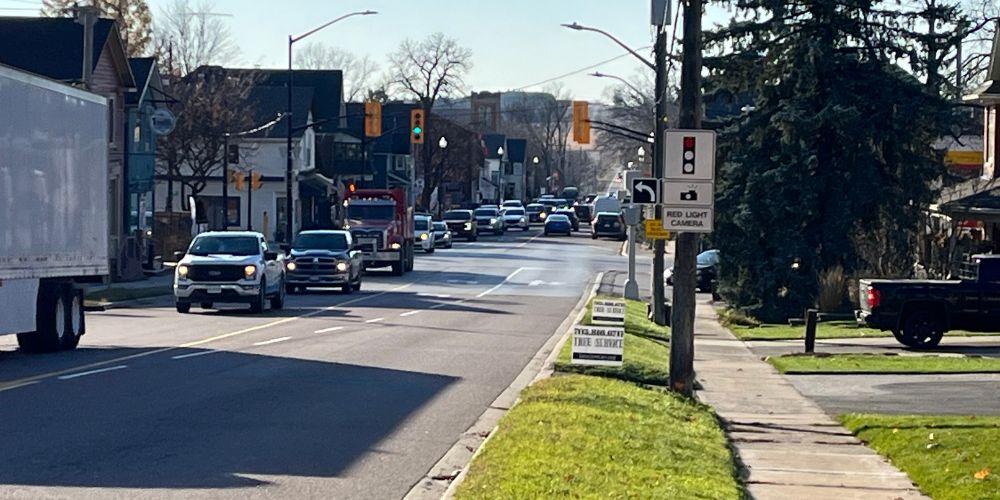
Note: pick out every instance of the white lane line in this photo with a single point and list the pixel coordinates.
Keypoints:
(443, 304)
(502, 283)
(272, 341)
(93, 372)
(436, 295)
(533, 238)
(328, 330)
(374, 320)
(411, 313)
(194, 354)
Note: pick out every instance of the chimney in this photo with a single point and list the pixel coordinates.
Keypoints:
(87, 16)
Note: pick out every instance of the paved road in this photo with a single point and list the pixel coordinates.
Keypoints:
(337, 396)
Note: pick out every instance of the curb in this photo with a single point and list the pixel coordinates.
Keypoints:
(970, 372)
(123, 304)
(444, 477)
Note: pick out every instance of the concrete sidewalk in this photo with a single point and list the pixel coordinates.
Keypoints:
(790, 448)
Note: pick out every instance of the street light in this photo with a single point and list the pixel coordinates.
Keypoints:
(500, 174)
(289, 207)
(578, 27)
(443, 144)
(635, 89)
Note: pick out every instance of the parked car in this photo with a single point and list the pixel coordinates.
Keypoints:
(229, 267)
(324, 258)
(920, 312)
(558, 224)
(462, 223)
(571, 214)
(423, 233)
(706, 268)
(516, 218)
(489, 219)
(534, 211)
(442, 235)
(609, 224)
(512, 204)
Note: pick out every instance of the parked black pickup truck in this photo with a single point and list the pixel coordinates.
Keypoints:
(919, 312)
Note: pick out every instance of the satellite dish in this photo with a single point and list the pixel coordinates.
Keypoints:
(162, 121)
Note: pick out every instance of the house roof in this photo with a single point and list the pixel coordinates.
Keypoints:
(989, 91)
(327, 88)
(517, 149)
(268, 102)
(493, 143)
(143, 70)
(53, 47)
(395, 138)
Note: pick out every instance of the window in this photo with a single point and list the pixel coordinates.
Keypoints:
(346, 151)
(111, 121)
(225, 245)
(508, 169)
(322, 241)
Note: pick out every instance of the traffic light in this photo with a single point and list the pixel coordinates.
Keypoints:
(581, 122)
(233, 154)
(255, 181)
(687, 167)
(352, 187)
(373, 119)
(239, 179)
(417, 126)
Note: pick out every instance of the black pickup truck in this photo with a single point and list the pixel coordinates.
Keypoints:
(919, 312)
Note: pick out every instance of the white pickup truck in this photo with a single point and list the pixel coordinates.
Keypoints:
(53, 207)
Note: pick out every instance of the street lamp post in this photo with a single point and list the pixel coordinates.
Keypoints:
(635, 89)
(443, 144)
(534, 176)
(289, 206)
(500, 175)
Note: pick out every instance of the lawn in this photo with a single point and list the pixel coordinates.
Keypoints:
(116, 294)
(826, 330)
(579, 436)
(636, 322)
(882, 363)
(646, 362)
(949, 458)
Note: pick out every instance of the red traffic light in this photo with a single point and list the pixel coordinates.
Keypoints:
(689, 143)
(352, 187)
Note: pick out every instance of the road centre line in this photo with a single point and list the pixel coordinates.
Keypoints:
(502, 283)
(328, 330)
(272, 341)
(411, 313)
(374, 320)
(12, 384)
(93, 372)
(194, 354)
(522, 245)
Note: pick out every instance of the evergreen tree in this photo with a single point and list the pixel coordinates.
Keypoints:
(834, 153)
(133, 17)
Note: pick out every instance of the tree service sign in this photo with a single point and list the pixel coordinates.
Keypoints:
(598, 345)
(608, 312)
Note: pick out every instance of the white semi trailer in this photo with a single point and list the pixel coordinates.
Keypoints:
(53, 207)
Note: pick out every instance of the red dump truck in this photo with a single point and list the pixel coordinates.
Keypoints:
(381, 222)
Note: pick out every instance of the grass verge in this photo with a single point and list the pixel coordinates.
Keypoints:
(882, 363)
(646, 362)
(117, 294)
(588, 437)
(949, 458)
(826, 330)
(636, 321)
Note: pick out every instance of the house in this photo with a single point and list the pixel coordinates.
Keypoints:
(490, 177)
(55, 48)
(141, 105)
(514, 173)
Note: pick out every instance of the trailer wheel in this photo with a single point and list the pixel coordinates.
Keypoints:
(50, 321)
(75, 320)
(922, 330)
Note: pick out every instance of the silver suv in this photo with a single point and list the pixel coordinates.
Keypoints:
(229, 267)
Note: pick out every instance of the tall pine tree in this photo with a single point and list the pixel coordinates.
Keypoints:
(834, 154)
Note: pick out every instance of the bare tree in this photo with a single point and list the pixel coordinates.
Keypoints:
(133, 18)
(984, 20)
(427, 70)
(632, 107)
(547, 123)
(190, 35)
(358, 71)
(210, 103)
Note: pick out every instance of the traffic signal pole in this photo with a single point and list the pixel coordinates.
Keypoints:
(685, 280)
(225, 182)
(660, 56)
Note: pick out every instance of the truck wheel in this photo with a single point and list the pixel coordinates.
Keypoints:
(922, 330)
(50, 321)
(75, 319)
(183, 307)
(410, 257)
(397, 268)
(258, 304)
(278, 301)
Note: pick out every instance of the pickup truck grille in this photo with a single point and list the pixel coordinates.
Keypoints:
(215, 273)
(316, 265)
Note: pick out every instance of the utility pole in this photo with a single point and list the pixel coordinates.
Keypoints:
(660, 56)
(682, 312)
(225, 182)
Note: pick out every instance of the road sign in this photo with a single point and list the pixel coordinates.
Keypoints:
(689, 155)
(608, 312)
(689, 194)
(598, 345)
(688, 219)
(645, 190)
(655, 231)
(162, 121)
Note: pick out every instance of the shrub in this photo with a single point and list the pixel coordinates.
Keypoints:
(832, 289)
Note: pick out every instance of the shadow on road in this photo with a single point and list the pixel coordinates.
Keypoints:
(203, 422)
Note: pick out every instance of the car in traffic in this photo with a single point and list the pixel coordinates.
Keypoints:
(609, 225)
(534, 211)
(323, 258)
(516, 218)
(571, 215)
(706, 265)
(488, 219)
(558, 224)
(461, 223)
(442, 235)
(511, 204)
(584, 212)
(229, 267)
(423, 232)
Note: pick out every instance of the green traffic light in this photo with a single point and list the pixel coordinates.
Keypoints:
(417, 130)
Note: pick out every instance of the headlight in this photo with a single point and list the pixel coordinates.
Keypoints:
(542, 215)
(395, 246)
(290, 266)
(447, 235)
(250, 271)
(493, 221)
(183, 271)
(341, 266)
(523, 220)
(468, 226)
(423, 236)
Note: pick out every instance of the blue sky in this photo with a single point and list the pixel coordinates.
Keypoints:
(514, 42)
